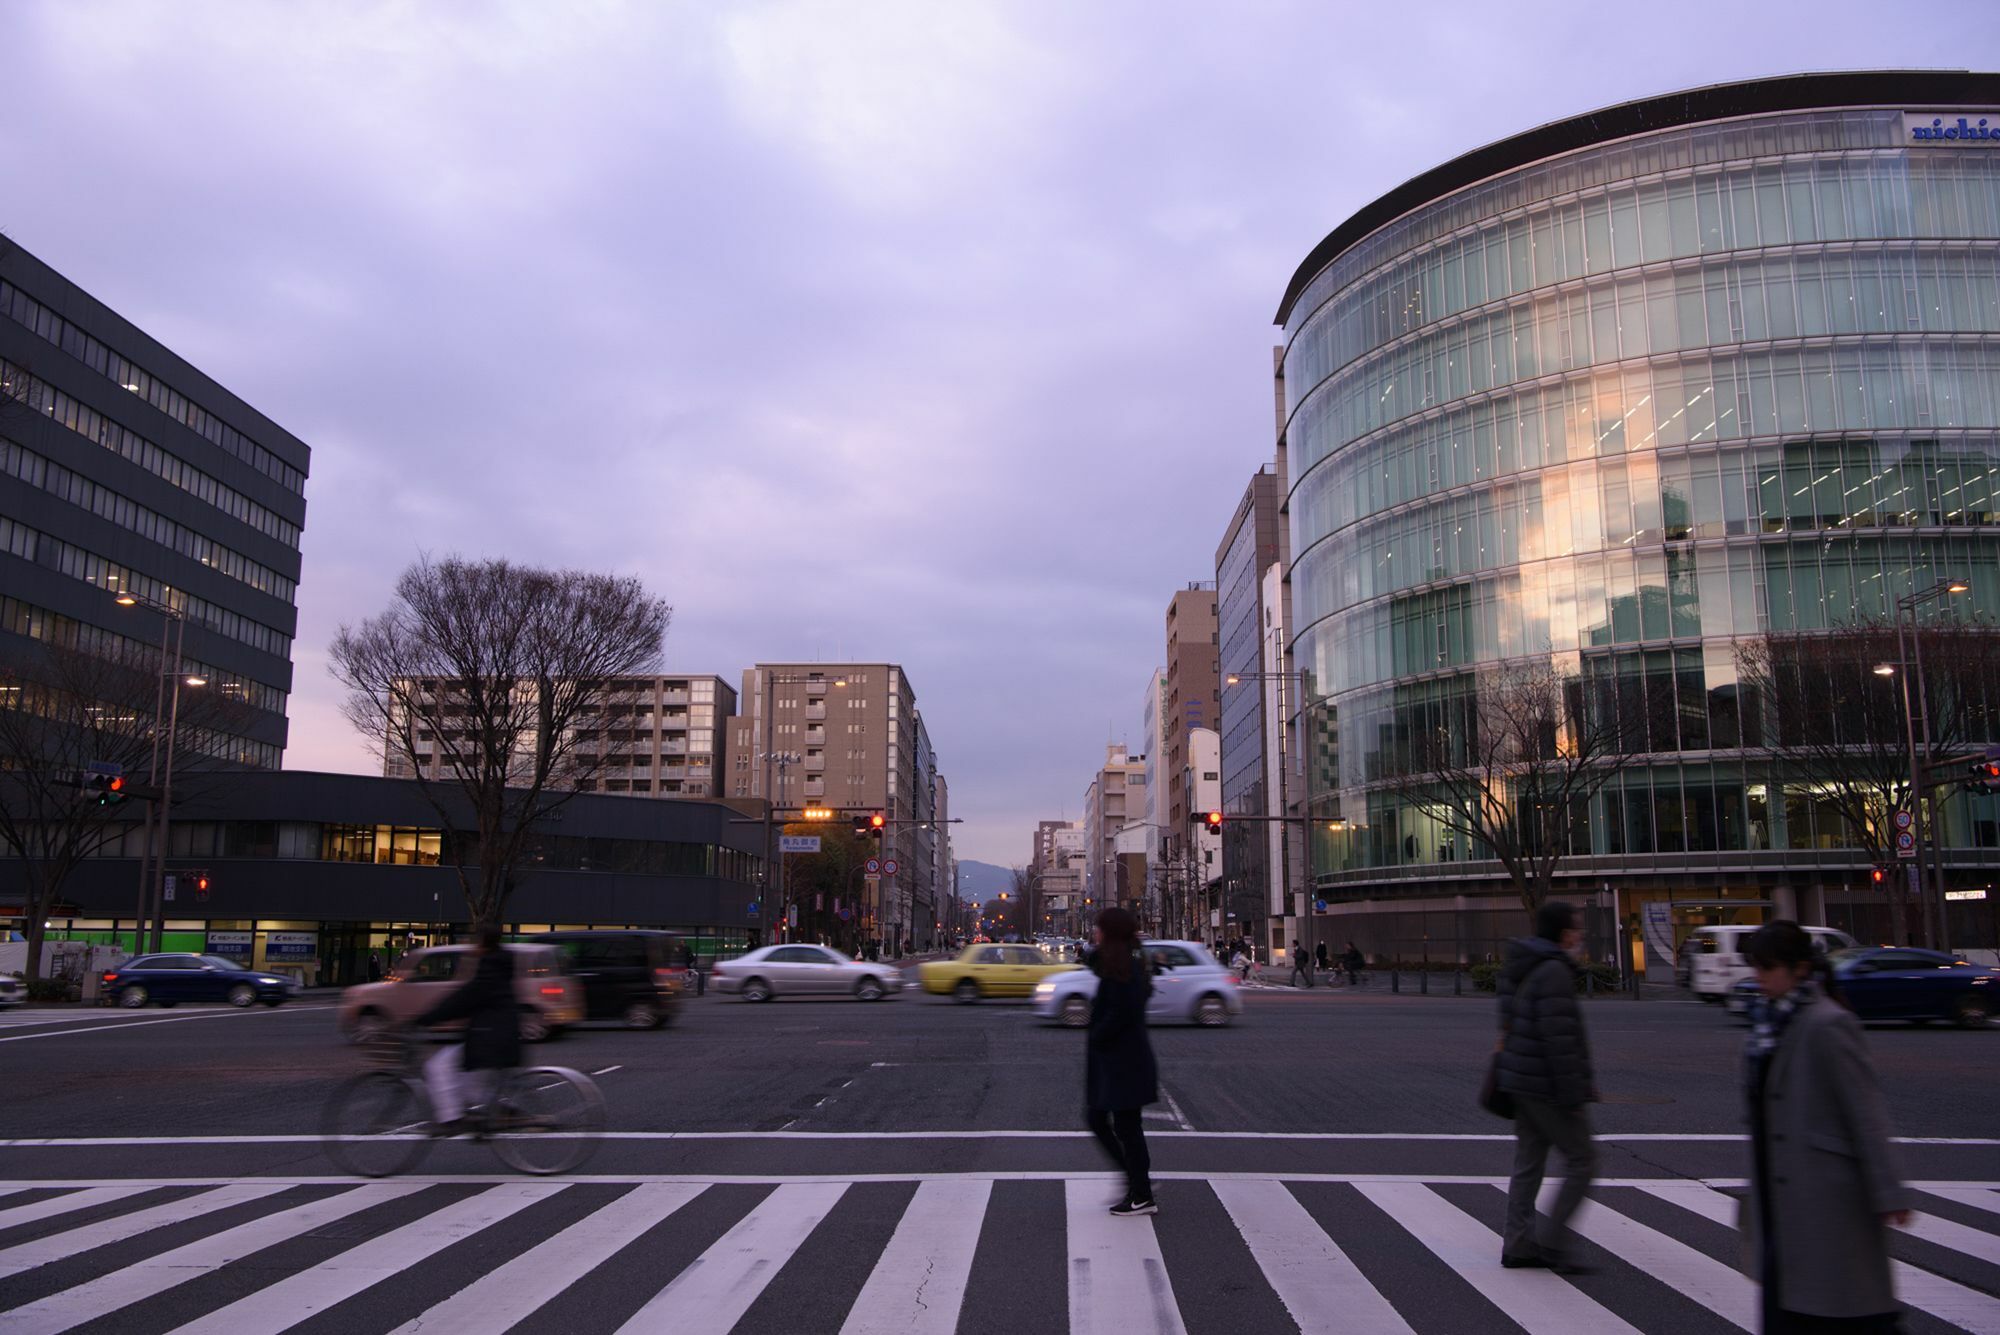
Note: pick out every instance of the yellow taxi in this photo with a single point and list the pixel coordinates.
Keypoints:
(986, 969)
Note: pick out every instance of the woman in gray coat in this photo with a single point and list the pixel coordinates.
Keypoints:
(1824, 1186)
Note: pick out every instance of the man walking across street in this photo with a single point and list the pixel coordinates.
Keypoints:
(1544, 1062)
(1302, 965)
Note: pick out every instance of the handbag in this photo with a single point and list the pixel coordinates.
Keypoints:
(1491, 1097)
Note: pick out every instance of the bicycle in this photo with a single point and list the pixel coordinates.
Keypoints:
(538, 1119)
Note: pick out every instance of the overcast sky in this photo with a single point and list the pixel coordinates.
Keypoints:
(936, 332)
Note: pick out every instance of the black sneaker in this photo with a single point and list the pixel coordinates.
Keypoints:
(1530, 1261)
(458, 1126)
(1126, 1208)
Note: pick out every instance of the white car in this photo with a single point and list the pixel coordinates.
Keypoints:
(804, 971)
(1711, 959)
(12, 992)
(1188, 984)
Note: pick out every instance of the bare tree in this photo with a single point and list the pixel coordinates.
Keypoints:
(1026, 890)
(1512, 765)
(1834, 725)
(493, 685)
(63, 706)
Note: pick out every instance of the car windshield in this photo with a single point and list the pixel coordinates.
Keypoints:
(218, 962)
(1845, 959)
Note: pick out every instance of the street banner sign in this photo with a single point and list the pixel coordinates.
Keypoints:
(231, 945)
(1914, 884)
(1964, 894)
(792, 916)
(1906, 844)
(889, 867)
(110, 769)
(798, 843)
(171, 881)
(291, 947)
(874, 867)
(1904, 820)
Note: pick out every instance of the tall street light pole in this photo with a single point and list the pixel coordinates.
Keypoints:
(1916, 727)
(152, 865)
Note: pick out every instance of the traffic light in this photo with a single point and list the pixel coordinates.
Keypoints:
(1983, 776)
(1878, 876)
(108, 789)
(201, 884)
(876, 823)
(1213, 820)
(818, 813)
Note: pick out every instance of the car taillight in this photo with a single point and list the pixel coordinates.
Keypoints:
(109, 978)
(552, 991)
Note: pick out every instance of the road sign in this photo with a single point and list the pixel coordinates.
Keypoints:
(889, 867)
(1904, 820)
(872, 878)
(874, 867)
(1906, 844)
(110, 769)
(1319, 906)
(798, 843)
(1914, 888)
(169, 892)
(1964, 894)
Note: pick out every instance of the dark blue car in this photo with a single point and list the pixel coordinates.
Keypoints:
(168, 980)
(1904, 983)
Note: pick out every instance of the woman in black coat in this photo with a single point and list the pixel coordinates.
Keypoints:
(1120, 1076)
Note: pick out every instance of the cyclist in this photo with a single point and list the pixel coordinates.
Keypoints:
(492, 1015)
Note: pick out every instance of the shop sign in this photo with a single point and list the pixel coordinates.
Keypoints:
(1937, 127)
(1659, 929)
(229, 945)
(291, 946)
(1964, 894)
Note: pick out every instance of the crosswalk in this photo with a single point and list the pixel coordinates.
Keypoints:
(908, 1255)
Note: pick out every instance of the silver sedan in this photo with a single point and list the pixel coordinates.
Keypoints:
(804, 971)
(1188, 984)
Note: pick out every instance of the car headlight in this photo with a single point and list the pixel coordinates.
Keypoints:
(1045, 989)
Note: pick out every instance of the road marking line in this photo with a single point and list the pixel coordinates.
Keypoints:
(1917, 1287)
(1722, 1289)
(171, 1019)
(918, 1283)
(717, 1288)
(1541, 1303)
(56, 1246)
(136, 1283)
(1117, 1276)
(309, 1292)
(1325, 1137)
(1323, 1290)
(503, 1298)
(1979, 1198)
(15, 1215)
(608, 1070)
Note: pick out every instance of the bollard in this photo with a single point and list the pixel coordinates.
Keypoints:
(1395, 980)
(1457, 983)
(1589, 983)
(1424, 983)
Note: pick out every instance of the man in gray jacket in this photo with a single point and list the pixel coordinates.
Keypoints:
(1544, 1063)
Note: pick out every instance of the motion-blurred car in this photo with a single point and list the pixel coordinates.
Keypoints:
(1711, 961)
(990, 971)
(804, 971)
(170, 979)
(634, 977)
(1903, 983)
(1188, 984)
(550, 999)
(11, 991)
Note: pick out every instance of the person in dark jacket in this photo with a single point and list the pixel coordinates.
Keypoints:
(492, 1015)
(1824, 1184)
(1319, 953)
(1353, 963)
(1544, 1062)
(1119, 1074)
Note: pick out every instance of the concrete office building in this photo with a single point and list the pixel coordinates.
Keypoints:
(124, 470)
(1254, 886)
(862, 747)
(1193, 701)
(1115, 797)
(1625, 392)
(664, 736)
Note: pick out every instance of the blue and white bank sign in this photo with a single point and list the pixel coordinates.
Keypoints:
(1954, 128)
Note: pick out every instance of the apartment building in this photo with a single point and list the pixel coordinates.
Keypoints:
(1115, 798)
(1193, 700)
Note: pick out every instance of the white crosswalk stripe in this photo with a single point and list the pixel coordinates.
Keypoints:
(404, 1270)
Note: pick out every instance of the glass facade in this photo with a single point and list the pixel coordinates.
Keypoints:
(1240, 628)
(1629, 406)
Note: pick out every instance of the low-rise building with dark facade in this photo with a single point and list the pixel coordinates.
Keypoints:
(314, 872)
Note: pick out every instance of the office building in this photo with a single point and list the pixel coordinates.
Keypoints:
(1115, 797)
(1623, 394)
(1254, 883)
(126, 471)
(1193, 701)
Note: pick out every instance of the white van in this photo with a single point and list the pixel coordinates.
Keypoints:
(1711, 959)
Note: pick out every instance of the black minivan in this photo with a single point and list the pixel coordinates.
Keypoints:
(632, 976)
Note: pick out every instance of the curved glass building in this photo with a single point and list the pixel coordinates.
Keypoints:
(1625, 391)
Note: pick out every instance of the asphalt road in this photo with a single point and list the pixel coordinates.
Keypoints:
(831, 1142)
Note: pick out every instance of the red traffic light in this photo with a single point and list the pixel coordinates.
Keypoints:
(877, 821)
(1878, 876)
(115, 784)
(1214, 819)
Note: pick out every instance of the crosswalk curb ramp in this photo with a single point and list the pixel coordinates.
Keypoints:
(931, 1255)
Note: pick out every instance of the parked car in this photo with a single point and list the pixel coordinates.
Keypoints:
(1711, 960)
(551, 1000)
(1188, 984)
(634, 977)
(170, 979)
(12, 991)
(990, 971)
(800, 970)
(1903, 983)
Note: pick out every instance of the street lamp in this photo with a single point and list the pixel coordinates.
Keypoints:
(1923, 811)
(152, 902)
(772, 681)
(1285, 746)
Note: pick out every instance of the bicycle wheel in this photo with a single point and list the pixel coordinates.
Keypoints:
(545, 1119)
(374, 1125)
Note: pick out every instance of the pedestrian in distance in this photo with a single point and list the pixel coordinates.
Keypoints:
(1302, 967)
(1825, 1184)
(1353, 962)
(1544, 1063)
(1240, 962)
(1320, 955)
(1120, 1076)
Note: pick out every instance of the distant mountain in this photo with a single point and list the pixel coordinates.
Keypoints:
(983, 880)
